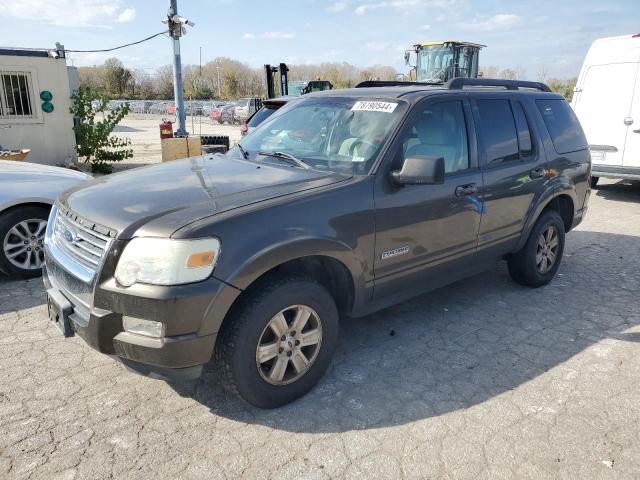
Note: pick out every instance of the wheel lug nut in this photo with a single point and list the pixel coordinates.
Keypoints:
(288, 354)
(297, 342)
(280, 350)
(293, 333)
(283, 338)
(28, 249)
(26, 241)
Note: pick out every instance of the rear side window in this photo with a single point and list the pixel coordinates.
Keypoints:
(563, 126)
(498, 131)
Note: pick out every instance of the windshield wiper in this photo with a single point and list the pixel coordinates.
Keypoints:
(288, 157)
(244, 153)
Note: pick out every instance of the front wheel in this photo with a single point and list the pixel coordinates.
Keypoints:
(538, 261)
(279, 341)
(594, 181)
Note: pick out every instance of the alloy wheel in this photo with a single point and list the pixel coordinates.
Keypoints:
(289, 345)
(547, 251)
(23, 244)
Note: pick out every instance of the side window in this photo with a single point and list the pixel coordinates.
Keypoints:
(524, 134)
(439, 130)
(498, 131)
(563, 126)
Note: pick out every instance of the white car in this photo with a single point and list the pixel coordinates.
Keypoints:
(27, 192)
(607, 102)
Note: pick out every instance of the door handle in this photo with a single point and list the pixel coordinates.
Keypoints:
(464, 190)
(537, 173)
(636, 131)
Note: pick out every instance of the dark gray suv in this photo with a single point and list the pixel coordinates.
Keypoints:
(341, 203)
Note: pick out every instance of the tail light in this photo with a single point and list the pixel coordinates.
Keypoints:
(244, 128)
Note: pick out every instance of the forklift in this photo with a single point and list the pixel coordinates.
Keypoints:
(438, 62)
(282, 69)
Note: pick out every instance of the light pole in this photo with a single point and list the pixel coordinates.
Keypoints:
(175, 23)
(218, 71)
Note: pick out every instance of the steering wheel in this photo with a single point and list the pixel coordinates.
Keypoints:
(359, 142)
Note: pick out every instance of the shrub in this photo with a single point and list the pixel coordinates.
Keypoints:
(94, 142)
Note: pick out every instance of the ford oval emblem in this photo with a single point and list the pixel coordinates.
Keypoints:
(68, 235)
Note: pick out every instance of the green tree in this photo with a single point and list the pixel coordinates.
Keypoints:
(94, 141)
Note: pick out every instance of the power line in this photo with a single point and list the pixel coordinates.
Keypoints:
(117, 48)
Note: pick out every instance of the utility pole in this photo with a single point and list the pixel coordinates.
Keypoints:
(176, 30)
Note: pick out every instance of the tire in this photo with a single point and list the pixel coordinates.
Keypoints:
(525, 266)
(250, 325)
(594, 181)
(22, 260)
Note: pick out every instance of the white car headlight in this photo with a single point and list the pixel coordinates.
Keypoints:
(165, 261)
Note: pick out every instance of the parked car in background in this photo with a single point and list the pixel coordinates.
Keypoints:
(192, 107)
(137, 107)
(227, 114)
(242, 109)
(171, 108)
(269, 107)
(207, 107)
(252, 257)
(158, 108)
(607, 102)
(27, 191)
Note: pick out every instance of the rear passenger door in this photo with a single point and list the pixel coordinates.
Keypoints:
(513, 165)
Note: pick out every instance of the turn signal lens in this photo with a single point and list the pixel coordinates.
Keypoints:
(201, 259)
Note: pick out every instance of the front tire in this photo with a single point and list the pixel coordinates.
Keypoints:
(278, 341)
(594, 181)
(22, 231)
(538, 261)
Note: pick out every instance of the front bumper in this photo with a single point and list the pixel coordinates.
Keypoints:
(609, 171)
(191, 314)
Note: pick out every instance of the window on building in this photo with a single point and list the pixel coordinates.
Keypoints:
(15, 95)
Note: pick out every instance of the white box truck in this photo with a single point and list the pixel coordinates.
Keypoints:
(607, 102)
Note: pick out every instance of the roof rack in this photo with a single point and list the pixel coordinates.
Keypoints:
(459, 83)
(392, 83)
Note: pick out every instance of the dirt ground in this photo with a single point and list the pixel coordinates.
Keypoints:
(144, 132)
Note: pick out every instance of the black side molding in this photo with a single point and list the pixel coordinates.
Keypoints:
(459, 83)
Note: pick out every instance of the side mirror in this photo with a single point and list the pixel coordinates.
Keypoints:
(419, 170)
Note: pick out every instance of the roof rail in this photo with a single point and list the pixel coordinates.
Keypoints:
(459, 82)
(392, 83)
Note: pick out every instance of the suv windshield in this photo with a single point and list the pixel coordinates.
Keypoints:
(328, 133)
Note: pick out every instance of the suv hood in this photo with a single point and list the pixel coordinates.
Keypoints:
(159, 199)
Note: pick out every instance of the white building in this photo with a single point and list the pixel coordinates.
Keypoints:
(28, 77)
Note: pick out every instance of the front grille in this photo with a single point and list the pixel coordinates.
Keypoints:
(83, 240)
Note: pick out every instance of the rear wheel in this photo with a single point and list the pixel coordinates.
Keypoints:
(594, 181)
(22, 231)
(279, 341)
(538, 261)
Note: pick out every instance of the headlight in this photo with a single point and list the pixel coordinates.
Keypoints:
(164, 261)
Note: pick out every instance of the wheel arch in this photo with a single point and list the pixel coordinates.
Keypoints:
(562, 200)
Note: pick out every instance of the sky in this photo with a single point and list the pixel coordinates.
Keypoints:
(546, 37)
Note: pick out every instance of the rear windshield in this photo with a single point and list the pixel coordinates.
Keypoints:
(261, 115)
(563, 126)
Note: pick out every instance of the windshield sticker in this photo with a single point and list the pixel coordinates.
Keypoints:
(386, 107)
(358, 159)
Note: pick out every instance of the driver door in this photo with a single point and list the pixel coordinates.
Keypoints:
(427, 235)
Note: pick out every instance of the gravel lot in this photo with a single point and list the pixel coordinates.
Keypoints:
(482, 379)
(144, 132)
